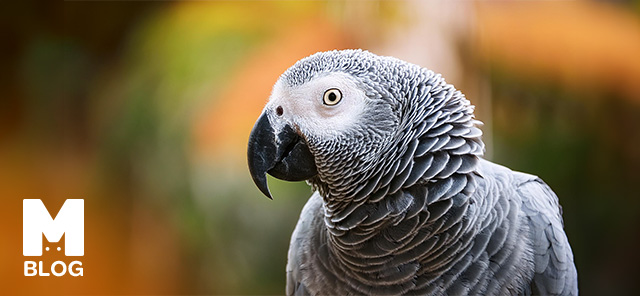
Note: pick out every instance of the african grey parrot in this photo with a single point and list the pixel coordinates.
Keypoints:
(403, 202)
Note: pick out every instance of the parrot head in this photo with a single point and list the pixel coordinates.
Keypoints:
(324, 115)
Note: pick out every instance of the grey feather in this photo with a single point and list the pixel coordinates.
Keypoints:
(404, 203)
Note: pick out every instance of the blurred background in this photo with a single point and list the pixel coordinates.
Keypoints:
(144, 108)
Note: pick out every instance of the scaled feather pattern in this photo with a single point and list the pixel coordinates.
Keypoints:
(404, 203)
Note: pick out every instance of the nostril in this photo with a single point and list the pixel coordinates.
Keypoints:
(279, 111)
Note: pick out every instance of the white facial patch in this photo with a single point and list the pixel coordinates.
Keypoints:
(303, 106)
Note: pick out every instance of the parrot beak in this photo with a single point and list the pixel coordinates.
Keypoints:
(284, 155)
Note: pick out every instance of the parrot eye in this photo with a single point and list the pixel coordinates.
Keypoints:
(332, 97)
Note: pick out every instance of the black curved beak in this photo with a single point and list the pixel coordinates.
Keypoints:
(284, 155)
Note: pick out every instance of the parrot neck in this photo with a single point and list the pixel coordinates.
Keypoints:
(388, 234)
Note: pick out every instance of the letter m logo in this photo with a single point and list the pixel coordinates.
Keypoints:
(36, 221)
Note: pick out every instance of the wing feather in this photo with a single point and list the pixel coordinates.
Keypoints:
(555, 272)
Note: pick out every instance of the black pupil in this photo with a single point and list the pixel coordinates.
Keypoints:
(332, 97)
